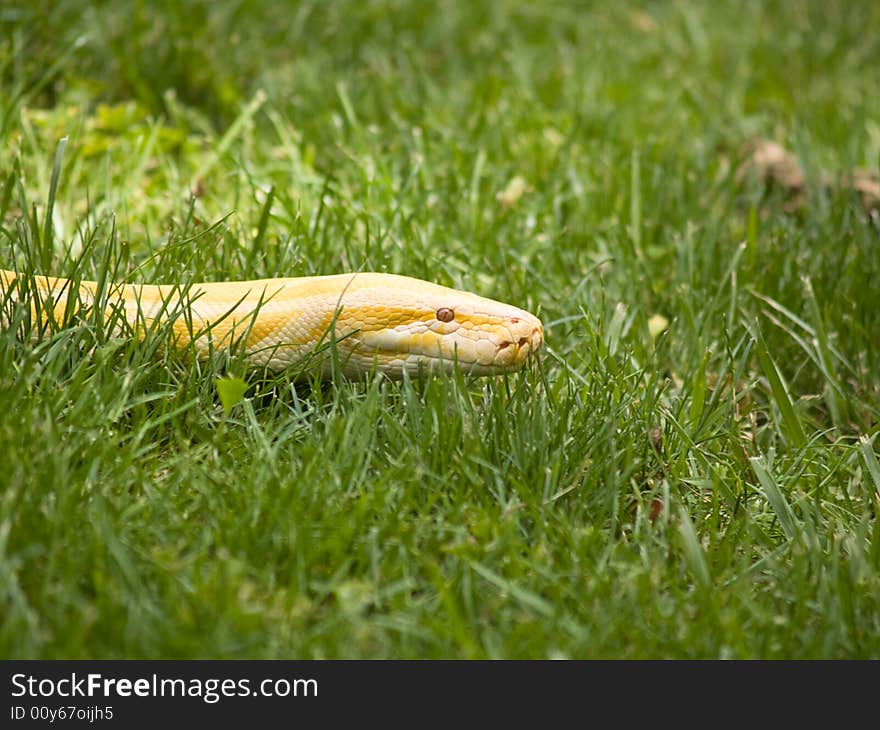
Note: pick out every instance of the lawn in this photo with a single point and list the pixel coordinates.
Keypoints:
(690, 470)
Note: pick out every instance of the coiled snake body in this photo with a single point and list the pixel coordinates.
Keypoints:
(377, 322)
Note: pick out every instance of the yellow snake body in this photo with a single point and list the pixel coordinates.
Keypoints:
(376, 322)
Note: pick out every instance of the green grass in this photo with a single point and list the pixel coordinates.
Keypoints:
(511, 517)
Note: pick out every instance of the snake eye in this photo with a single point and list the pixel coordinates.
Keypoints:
(444, 314)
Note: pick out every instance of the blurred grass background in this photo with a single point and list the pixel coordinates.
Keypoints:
(690, 471)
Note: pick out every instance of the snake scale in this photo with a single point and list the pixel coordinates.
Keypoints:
(378, 322)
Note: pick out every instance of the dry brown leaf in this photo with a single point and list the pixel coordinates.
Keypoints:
(657, 508)
(867, 184)
(657, 439)
(771, 162)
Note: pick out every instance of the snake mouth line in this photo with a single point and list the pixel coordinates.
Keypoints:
(533, 341)
(509, 354)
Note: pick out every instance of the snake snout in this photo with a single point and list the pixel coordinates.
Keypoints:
(526, 337)
(534, 340)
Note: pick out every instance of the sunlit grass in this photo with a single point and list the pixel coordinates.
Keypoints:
(691, 468)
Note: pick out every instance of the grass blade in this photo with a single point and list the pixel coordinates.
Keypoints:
(694, 555)
(635, 200)
(520, 594)
(833, 391)
(790, 422)
(866, 446)
(775, 497)
(235, 130)
(48, 228)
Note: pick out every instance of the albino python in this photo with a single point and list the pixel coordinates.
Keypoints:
(383, 322)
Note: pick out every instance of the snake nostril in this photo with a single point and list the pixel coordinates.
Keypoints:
(523, 341)
(504, 345)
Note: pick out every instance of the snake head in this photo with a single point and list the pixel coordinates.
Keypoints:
(408, 325)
